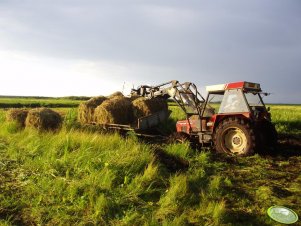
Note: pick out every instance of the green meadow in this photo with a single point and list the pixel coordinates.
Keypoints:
(32, 102)
(85, 176)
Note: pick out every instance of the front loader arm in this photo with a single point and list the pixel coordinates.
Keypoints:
(185, 94)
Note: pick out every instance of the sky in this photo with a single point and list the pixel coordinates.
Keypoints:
(95, 47)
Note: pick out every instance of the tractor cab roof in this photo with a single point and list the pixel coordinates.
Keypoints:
(246, 86)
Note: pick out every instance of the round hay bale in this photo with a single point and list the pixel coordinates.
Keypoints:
(117, 110)
(86, 109)
(144, 107)
(43, 119)
(17, 115)
(116, 94)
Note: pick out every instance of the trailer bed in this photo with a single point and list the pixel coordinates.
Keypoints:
(142, 124)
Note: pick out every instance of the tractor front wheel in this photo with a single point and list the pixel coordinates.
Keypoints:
(234, 136)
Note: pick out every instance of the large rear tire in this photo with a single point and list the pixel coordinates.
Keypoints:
(234, 136)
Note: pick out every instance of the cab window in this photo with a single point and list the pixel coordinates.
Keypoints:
(233, 102)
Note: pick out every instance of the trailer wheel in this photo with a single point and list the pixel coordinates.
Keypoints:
(234, 136)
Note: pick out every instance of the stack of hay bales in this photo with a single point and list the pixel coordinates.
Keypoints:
(86, 109)
(17, 115)
(43, 119)
(116, 110)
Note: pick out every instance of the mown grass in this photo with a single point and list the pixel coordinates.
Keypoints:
(82, 177)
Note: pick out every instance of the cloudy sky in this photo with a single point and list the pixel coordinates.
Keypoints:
(93, 47)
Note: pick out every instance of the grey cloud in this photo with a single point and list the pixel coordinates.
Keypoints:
(206, 42)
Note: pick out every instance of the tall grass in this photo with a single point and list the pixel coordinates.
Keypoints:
(75, 176)
(80, 177)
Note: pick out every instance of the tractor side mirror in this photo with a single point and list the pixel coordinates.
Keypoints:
(268, 108)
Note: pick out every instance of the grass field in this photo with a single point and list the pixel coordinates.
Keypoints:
(19, 102)
(86, 177)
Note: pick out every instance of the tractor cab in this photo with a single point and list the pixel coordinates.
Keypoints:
(238, 98)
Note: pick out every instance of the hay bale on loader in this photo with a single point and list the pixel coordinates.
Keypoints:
(144, 107)
(43, 119)
(115, 94)
(17, 115)
(117, 110)
(86, 109)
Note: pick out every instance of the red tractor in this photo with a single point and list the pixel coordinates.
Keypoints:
(233, 117)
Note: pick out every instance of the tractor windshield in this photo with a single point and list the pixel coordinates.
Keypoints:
(254, 99)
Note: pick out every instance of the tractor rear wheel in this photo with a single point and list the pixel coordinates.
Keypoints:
(234, 136)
